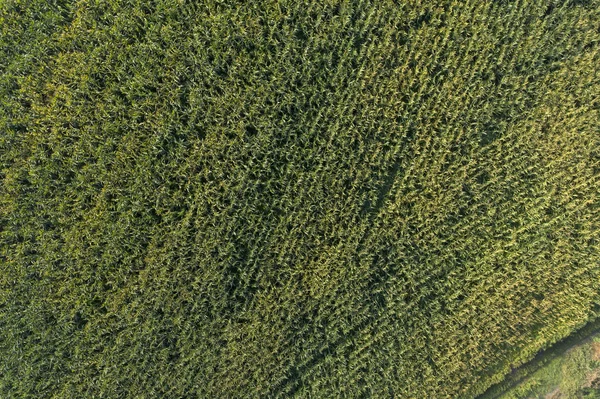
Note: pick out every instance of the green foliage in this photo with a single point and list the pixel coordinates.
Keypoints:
(575, 368)
(574, 374)
(590, 393)
(293, 199)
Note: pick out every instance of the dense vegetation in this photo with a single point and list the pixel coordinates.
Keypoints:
(293, 198)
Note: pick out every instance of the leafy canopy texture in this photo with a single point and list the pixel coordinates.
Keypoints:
(311, 199)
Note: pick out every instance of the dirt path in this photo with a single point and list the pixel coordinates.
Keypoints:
(553, 395)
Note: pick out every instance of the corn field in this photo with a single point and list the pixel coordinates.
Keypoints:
(294, 199)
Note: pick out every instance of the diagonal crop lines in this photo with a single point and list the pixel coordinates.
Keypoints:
(293, 199)
(375, 281)
(299, 371)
